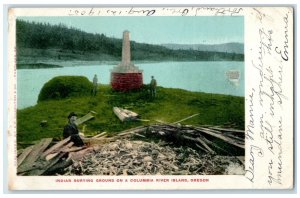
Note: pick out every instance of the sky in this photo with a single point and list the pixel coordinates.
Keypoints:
(159, 29)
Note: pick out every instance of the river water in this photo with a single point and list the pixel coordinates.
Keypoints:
(209, 77)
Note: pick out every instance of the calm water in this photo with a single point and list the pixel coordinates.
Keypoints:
(207, 77)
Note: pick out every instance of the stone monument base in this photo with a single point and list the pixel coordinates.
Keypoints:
(126, 81)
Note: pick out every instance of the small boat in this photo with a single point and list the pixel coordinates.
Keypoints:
(233, 76)
(124, 114)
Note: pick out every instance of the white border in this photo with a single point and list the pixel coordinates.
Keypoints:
(120, 2)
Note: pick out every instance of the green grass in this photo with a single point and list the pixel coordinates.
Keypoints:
(170, 105)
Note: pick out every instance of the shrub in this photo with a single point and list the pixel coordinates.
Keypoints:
(65, 86)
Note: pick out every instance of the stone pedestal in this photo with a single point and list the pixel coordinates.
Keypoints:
(126, 81)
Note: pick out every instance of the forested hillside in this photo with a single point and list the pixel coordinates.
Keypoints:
(40, 40)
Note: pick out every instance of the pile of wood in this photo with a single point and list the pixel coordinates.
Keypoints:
(128, 157)
(181, 150)
(208, 139)
(46, 157)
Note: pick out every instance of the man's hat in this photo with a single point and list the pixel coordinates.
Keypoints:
(71, 114)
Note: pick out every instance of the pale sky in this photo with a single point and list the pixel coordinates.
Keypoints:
(158, 29)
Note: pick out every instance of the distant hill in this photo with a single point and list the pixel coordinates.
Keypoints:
(237, 48)
(42, 41)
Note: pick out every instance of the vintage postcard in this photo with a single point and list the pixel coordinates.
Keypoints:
(153, 98)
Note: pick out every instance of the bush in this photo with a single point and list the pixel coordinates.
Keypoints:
(65, 86)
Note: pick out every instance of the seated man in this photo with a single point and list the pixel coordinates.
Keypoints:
(72, 130)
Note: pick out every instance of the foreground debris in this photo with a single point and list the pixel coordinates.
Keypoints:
(124, 157)
(180, 150)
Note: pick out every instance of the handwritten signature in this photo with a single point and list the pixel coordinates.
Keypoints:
(191, 11)
(284, 53)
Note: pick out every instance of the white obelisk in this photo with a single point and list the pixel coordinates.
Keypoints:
(126, 50)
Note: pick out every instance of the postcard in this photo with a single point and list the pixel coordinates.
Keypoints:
(150, 98)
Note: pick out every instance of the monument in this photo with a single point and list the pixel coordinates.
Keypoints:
(126, 76)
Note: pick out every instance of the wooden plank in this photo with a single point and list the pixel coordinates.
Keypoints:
(37, 150)
(85, 118)
(130, 113)
(94, 141)
(124, 114)
(228, 130)
(215, 145)
(80, 154)
(58, 166)
(201, 148)
(19, 152)
(222, 137)
(241, 159)
(99, 135)
(205, 145)
(186, 118)
(51, 156)
(139, 135)
(69, 145)
(55, 147)
(44, 165)
(57, 151)
(207, 148)
(233, 137)
(119, 114)
(24, 154)
(133, 130)
(73, 149)
(104, 136)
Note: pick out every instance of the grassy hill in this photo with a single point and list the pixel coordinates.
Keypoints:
(170, 105)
